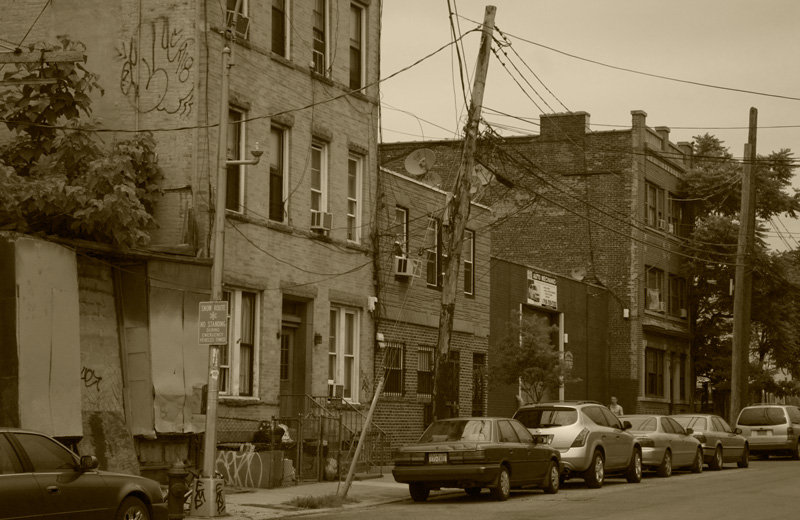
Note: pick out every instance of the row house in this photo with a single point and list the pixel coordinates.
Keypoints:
(298, 271)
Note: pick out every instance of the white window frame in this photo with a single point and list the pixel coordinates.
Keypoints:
(239, 154)
(354, 197)
(338, 356)
(284, 166)
(322, 190)
(287, 30)
(432, 235)
(325, 37)
(469, 247)
(230, 373)
(362, 14)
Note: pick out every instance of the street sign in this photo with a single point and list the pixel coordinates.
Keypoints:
(212, 322)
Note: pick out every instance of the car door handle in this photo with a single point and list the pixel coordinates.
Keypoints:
(53, 490)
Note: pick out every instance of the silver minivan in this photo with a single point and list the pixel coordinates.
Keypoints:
(771, 429)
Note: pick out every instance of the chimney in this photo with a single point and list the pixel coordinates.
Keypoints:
(567, 125)
(663, 133)
(638, 127)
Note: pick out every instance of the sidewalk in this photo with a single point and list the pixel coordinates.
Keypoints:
(257, 504)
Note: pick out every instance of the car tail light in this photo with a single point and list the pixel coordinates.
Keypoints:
(700, 437)
(790, 431)
(408, 457)
(580, 440)
(474, 455)
(647, 442)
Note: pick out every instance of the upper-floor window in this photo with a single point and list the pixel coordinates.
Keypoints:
(343, 352)
(355, 165)
(468, 254)
(280, 17)
(320, 36)
(400, 231)
(654, 290)
(425, 371)
(278, 184)
(319, 176)
(394, 366)
(433, 253)
(654, 372)
(234, 195)
(242, 25)
(356, 46)
(239, 358)
(677, 297)
(655, 203)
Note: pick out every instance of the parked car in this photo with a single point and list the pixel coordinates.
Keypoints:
(666, 445)
(771, 428)
(720, 443)
(41, 478)
(592, 441)
(473, 453)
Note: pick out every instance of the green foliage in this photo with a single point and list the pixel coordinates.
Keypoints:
(57, 177)
(527, 355)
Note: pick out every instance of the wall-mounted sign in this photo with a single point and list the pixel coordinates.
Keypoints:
(542, 290)
(212, 320)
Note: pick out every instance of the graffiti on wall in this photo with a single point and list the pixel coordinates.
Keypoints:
(249, 469)
(157, 68)
(102, 389)
(199, 499)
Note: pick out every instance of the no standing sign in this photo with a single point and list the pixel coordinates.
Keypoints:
(212, 321)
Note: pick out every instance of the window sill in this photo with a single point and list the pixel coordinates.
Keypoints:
(235, 400)
(286, 62)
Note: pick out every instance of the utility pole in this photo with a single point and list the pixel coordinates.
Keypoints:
(208, 487)
(459, 214)
(742, 294)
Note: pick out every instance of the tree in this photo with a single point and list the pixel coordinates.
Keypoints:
(713, 186)
(526, 355)
(57, 177)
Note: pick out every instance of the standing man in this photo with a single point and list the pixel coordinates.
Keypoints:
(615, 407)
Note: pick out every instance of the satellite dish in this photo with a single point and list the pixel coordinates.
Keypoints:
(420, 161)
(435, 179)
(578, 273)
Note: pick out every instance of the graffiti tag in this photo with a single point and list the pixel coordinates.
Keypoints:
(160, 78)
(90, 378)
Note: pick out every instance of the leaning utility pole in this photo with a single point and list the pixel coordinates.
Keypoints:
(742, 294)
(459, 214)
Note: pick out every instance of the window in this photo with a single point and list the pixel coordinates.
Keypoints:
(354, 167)
(468, 253)
(654, 377)
(675, 216)
(654, 284)
(319, 177)
(655, 207)
(285, 353)
(343, 349)
(9, 462)
(277, 174)
(425, 371)
(280, 45)
(46, 455)
(238, 359)
(242, 20)
(677, 297)
(234, 199)
(356, 46)
(478, 384)
(394, 365)
(400, 231)
(433, 270)
(320, 38)
(507, 433)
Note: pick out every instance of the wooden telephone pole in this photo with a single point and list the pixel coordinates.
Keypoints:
(459, 214)
(743, 284)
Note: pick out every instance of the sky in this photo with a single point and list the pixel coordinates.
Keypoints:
(746, 45)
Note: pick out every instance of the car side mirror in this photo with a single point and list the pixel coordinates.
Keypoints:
(689, 431)
(88, 462)
(737, 431)
(626, 425)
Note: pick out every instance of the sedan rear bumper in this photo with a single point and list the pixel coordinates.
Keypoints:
(448, 475)
(652, 456)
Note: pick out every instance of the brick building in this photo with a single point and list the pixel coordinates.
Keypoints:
(298, 257)
(605, 207)
(409, 279)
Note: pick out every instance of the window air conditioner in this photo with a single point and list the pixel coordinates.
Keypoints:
(242, 22)
(320, 221)
(672, 228)
(653, 299)
(662, 306)
(662, 223)
(406, 267)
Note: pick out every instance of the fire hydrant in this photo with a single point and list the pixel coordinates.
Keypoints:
(176, 497)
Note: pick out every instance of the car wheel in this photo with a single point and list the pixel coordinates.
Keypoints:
(745, 460)
(634, 472)
(502, 487)
(595, 475)
(418, 492)
(796, 452)
(552, 480)
(132, 509)
(716, 462)
(665, 468)
(473, 491)
(697, 465)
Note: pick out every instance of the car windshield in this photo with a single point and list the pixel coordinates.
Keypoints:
(642, 424)
(762, 416)
(546, 417)
(454, 431)
(695, 423)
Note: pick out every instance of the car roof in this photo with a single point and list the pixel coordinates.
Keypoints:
(558, 403)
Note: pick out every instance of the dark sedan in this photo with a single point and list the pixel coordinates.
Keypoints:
(473, 453)
(41, 478)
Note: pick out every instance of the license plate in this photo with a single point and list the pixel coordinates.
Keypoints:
(437, 458)
(763, 432)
